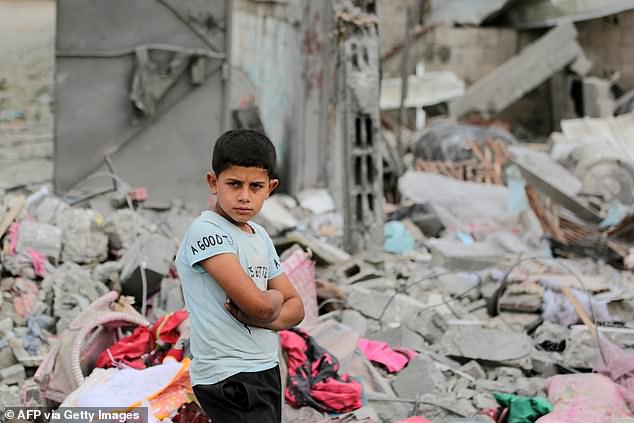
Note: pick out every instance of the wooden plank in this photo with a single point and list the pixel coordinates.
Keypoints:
(13, 212)
(580, 310)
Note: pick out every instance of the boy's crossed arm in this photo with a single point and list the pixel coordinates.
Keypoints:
(278, 308)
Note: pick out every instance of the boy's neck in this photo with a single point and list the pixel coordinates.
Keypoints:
(244, 227)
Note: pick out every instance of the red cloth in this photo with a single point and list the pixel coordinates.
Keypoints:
(165, 329)
(313, 378)
(393, 359)
(131, 349)
(128, 350)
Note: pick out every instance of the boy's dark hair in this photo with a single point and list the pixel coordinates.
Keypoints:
(243, 147)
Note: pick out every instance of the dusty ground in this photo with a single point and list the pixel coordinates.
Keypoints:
(27, 38)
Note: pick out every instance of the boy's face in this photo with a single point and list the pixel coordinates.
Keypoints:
(241, 191)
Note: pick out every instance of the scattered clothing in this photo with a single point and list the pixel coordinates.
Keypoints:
(524, 409)
(393, 359)
(313, 376)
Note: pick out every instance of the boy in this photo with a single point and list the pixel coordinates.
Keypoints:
(235, 290)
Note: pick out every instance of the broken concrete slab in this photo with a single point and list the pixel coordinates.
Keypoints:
(323, 252)
(355, 320)
(43, 238)
(489, 345)
(400, 337)
(452, 254)
(534, 65)
(390, 308)
(419, 377)
(13, 375)
(473, 369)
(146, 262)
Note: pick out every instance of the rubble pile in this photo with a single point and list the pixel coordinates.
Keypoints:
(502, 290)
(59, 260)
(465, 310)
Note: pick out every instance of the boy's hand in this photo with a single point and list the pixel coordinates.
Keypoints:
(274, 296)
(291, 312)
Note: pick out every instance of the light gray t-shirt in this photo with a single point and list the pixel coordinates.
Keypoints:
(221, 345)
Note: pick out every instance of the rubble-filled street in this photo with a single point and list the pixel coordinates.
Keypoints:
(456, 208)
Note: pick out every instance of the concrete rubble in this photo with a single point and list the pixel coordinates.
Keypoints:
(491, 263)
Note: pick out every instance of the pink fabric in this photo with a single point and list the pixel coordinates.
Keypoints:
(300, 270)
(586, 398)
(13, 238)
(393, 359)
(619, 368)
(415, 419)
(39, 262)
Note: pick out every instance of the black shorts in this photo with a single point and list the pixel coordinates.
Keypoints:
(243, 398)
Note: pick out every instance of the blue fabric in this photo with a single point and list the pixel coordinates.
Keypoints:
(221, 345)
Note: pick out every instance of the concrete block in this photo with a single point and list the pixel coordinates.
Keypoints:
(323, 252)
(457, 255)
(43, 238)
(123, 227)
(431, 326)
(490, 345)
(154, 252)
(13, 375)
(474, 370)
(83, 238)
(419, 377)
(372, 304)
(355, 270)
